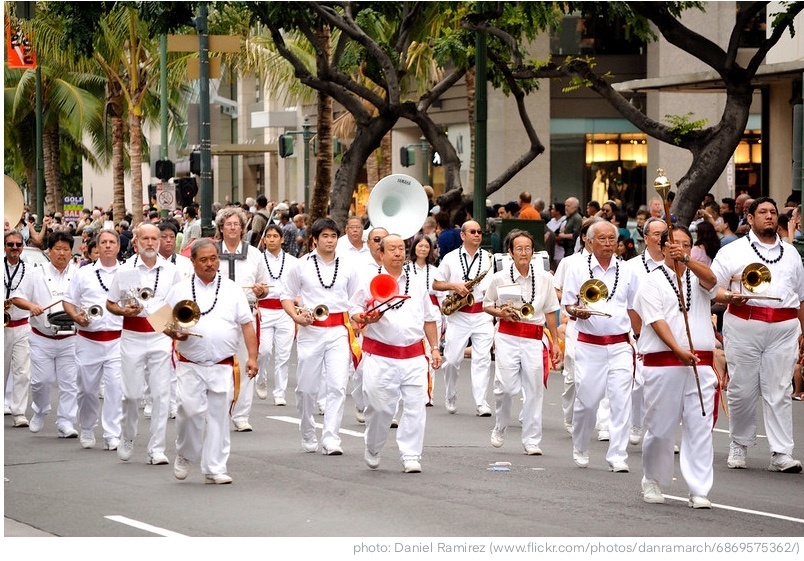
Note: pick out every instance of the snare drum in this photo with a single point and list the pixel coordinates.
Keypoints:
(61, 323)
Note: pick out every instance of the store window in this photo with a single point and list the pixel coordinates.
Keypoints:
(616, 169)
(748, 164)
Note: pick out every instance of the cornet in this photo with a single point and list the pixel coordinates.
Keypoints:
(145, 293)
(525, 311)
(591, 294)
(92, 312)
(319, 313)
(186, 314)
(756, 278)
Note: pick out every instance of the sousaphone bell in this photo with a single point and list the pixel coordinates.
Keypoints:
(398, 203)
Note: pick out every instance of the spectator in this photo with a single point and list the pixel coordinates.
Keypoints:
(259, 221)
(636, 232)
(592, 208)
(572, 228)
(621, 221)
(556, 223)
(625, 248)
(126, 245)
(526, 210)
(289, 234)
(449, 236)
(707, 243)
(730, 222)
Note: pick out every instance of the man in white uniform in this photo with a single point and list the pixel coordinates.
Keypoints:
(671, 392)
(520, 355)
(17, 357)
(604, 357)
(394, 362)
(144, 352)
(458, 268)
(324, 345)
(52, 349)
(762, 340)
(97, 347)
(206, 368)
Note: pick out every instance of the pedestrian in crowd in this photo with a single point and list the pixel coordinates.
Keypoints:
(707, 243)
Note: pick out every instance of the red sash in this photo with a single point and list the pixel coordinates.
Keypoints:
(17, 322)
(521, 329)
(669, 358)
(761, 313)
(101, 336)
(434, 299)
(231, 361)
(270, 304)
(475, 308)
(138, 324)
(334, 320)
(56, 337)
(602, 339)
(392, 351)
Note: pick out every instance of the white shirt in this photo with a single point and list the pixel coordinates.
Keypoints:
(656, 300)
(183, 264)
(43, 286)
(787, 274)
(402, 326)
(537, 290)
(458, 266)
(642, 265)
(344, 248)
(621, 297)
(134, 273)
(279, 268)
(224, 310)
(421, 274)
(86, 290)
(304, 282)
(248, 271)
(563, 267)
(12, 278)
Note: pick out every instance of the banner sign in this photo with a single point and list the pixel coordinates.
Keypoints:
(18, 46)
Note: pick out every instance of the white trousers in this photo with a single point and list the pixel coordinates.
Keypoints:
(277, 332)
(519, 368)
(638, 397)
(602, 370)
(568, 395)
(145, 355)
(17, 367)
(53, 361)
(202, 419)
(323, 353)
(99, 360)
(671, 396)
(385, 381)
(461, 327)
(761, 357)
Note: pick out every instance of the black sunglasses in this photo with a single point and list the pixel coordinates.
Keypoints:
(13, 244)
(376, 239)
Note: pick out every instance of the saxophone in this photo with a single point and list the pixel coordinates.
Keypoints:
(453, 302)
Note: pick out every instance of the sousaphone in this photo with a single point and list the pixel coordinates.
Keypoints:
(14, 202)
(398, 203)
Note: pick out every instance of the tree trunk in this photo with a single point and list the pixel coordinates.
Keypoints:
(30, 175)
(55, 162)
(384, 163)
(323, 163)
(373, 168)
(118, 168)
(47, 149)
(135, 155)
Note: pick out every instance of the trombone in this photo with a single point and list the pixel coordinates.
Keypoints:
(591, 294)
(755, 278)
(186, 314)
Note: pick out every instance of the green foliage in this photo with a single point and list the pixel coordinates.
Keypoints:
(682, 125)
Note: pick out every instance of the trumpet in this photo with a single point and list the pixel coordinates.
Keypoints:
(525, 311)
(145, 293)
(319, 313)
(186, 314)
(591, 294)
(756, 278)
(92, 312)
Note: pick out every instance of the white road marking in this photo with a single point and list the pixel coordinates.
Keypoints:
(295, 421)
(745, 510)
(143, 526)
(724, 431)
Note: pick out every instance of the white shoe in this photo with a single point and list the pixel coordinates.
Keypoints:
(280, 401)
(157, 459)
(394, 423)
(68, 431)
(173, 412)
(635, 437)
(218, 479)
(320, 409)
(483, 411)
(111, 443)
(497, 437)
(603, 435)
(532, 450)
(87, 439)
(261, 387)
(243, 426)
(332, 450)
(125, 449)
(581, 459)
(618, 467)
(147, 410)
(372, 460)
(360, 415)
(651, 492)
(20, 421)
(181, 468)
(412, 466)
(310, 444)
(568, 427)
(37, 422)
(784, 463)
(696, 501)
(452, 405)
(737, 455)
(6, 410)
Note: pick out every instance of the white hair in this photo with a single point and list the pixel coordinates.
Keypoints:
(590, 233)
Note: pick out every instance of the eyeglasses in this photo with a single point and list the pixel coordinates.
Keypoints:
(376, 239)
(475, 232)
(523, 250)
(13, 244)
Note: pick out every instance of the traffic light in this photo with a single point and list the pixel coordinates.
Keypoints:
(195, 163)
(186, 190)
(408, 156)
(285, 145)
(164, 169)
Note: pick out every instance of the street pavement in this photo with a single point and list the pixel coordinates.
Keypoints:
(467, 487)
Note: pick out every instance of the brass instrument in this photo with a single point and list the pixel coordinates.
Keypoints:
(756, 278)
(454, 302)
(186, 314)
(319, 313)
(525, 311)
(6, 315)
(145, 293)
(93, 312)
(591, 294)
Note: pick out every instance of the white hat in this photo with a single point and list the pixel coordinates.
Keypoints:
(281, 206)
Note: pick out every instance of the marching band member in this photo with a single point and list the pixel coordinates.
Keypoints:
(604, 357)
(520, 366)
(671, 392)
(762, 340)
(394, 363)
(243, 264)
(277, 330)
(459, 267)
(422, 256)
(143, 351)
(206, 363)
(16, 348)
(323, 345)
(168, 229)
(52, 352)
(641, 266)
(97, 347)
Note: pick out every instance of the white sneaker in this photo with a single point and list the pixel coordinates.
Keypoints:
(568, 427)
(157, 459)
(87, 439)
(603, 435)
(310, 444)
(651, 492)
(394, 423)
(532, 450)
(360, 415)
(20, 421)
(280, 401)
(218, 479)
(483, 410)
(37, 422)
(321, 409)
(618, 467)
(147, 410)
(737, 455)
(497, 437)
(452, 405)
(332, 450)
(696, 501)
(261, 387)
(243, 426)
(635, 437)
(412, 466)
(125, 449)
(68, 431)
(6, 410)
(181, 468)
(581, 459)
(372, 460)
(111, 443)
(784, 463)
